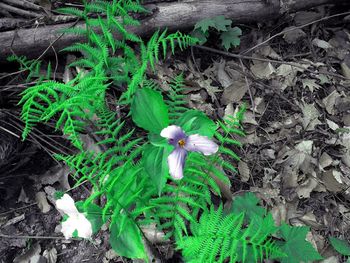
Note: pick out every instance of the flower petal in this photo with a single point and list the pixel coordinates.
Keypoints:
(173, 132)
(198, 143)
(176, 162)
(66, 205)
(77, 222)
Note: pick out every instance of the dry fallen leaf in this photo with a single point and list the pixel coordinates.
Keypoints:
(224, 79)
(304, 190)
(321, 43)
(332, 125)
(288, 74)
(152, 234)
(310, 84)
(324, 161)
(310, 117)
(50, 255)
(28, 256)
(23, 197)
(293, 34)
(330, 101)
(234, 93)
(42, 202)
(345, 70)
(262, 70)
(332, 181)
(244, 171)
(212, 90)
(267, 51)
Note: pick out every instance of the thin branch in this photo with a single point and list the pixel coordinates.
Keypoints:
(294, 28)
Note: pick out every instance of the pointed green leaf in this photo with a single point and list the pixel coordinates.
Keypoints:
(149, 111)
(93, 213)
(156, 165)
(196, 122)
(126, 239)
(341, 246)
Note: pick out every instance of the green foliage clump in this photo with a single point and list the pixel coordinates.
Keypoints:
(128, 169)
(229, 35)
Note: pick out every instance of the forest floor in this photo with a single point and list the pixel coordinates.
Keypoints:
(295, 155)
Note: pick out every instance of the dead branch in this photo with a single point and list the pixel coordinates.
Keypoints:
(171, 15)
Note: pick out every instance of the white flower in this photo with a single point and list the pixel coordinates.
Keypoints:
(76, 220)
(193, 143)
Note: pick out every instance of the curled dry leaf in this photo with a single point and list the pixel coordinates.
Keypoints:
(235, 92)
(43, 205)
(262, 70)
(324, 161)
(330, 101)
(244, 171)
(304, 190)
(321, 43)
(152, 234)
(50, 255)
(332, 181)
(222, 76)
(293, 34)
(267, 51)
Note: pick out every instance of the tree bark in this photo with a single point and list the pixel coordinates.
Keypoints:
(172, 15)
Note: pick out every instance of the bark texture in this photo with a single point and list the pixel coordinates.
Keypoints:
(172, 15)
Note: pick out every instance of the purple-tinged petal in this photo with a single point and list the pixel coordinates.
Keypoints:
(198, 143)
(173, 132)
(176, 162)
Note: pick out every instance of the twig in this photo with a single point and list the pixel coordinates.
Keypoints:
(294, 28)
(18, 208)
(37, 237)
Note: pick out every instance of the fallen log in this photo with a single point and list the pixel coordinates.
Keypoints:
(172, 15)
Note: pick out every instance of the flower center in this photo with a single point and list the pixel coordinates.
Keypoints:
(181, 143)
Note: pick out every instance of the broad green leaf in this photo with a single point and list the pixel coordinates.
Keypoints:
(196, 122)
(156, 165)
(126, 238)
(157, 140)
(295, 246)
(93, 213)
(205, 24)
(149, 111)
(230, 38)
(341, 246)
(248, 204)
(220, 23)
(202, 37)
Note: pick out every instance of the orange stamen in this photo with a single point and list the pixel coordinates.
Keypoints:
(181, 143)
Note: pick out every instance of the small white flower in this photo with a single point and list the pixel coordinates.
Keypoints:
(76, 220)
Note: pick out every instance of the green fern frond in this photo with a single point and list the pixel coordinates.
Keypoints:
(177, 101)
(217, 237)
(71, 11)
